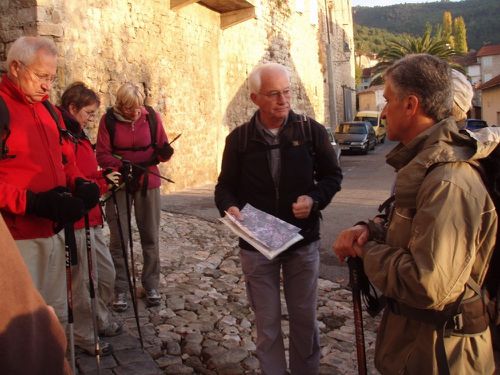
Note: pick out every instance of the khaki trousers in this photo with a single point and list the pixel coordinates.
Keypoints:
(147, 216)
(45, 259)
(103, 273)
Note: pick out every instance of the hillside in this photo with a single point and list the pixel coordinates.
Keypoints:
(482, 18)
(373, 40)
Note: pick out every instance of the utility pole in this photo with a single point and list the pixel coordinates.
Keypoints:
(332, 97)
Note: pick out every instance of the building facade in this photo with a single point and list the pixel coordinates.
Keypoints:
(192, 58)
(491, 101)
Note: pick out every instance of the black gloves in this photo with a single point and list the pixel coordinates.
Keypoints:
(57, 205)
(131, 175)
(165, 152)
(88, 192)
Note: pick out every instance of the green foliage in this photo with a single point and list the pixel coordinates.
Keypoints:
(480, 16)
(372, 40)
(425, 44)
(358, 72)
(460, 34)
(448, 28)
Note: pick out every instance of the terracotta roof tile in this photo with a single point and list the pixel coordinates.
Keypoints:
(495, 81)
(488, 50)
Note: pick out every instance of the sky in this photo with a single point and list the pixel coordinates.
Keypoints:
(369, 3)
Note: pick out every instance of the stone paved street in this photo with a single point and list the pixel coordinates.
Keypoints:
(204, 324)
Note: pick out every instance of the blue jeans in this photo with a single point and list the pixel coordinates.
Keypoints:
(300, 281)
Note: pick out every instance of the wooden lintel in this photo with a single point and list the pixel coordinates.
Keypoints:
(234, 17)
(178, 4)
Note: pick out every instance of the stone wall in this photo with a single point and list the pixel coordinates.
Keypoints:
(194, 73)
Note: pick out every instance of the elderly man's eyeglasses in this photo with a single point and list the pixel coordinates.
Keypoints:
(275, 94)
(43, 78)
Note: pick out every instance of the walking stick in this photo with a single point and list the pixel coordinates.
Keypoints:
(131, 242)
(144, 169)
(93, 309)
(71, 259)
(125, 259)
(354, 278)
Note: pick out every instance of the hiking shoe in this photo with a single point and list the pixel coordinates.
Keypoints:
(105, 348)
(113, 329)
(152, 297)
(120, 303)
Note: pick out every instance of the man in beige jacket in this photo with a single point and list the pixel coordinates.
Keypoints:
(432, 250)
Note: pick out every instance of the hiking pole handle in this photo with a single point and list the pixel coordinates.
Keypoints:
(354, 269)
(145, 169)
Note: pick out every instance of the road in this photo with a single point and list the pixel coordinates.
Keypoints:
(367, 183)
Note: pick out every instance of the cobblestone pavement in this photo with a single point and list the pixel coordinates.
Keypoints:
(204, 324)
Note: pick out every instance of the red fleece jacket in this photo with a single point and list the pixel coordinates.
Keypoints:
(41, 162)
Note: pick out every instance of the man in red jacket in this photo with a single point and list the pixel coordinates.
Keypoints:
(40, 186)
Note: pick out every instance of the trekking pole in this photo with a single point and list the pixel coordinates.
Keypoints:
(93, 309)
(131, 242)
(107, 195)
(69, 235)
(176, 138)
(127, 270)
(354, 279)
(144, 169)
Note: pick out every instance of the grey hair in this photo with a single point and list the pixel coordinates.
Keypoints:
(428, 78)
(25, 48)
(254, 79)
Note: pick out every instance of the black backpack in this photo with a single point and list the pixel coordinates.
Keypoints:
(110, 122)
(5, 127)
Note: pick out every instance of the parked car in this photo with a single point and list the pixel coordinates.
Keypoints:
(473, 124)
(373, 117)
(356, 136)
(336, 147)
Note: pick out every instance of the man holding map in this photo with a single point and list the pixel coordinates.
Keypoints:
(283, 164)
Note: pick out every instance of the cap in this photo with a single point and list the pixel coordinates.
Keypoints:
(462, 90)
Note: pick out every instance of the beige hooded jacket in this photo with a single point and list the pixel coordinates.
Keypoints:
(441, 232)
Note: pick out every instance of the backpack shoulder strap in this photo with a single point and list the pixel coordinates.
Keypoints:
(153, 124)
(110, 122)
(307, 135)
(4, 128)
(242, 137)
(63, 132)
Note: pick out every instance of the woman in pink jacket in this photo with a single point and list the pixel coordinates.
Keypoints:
(134, 132)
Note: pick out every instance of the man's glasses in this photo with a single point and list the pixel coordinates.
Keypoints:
(274, 95)
(43, 78)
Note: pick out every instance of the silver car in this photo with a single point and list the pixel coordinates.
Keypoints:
(356, 136)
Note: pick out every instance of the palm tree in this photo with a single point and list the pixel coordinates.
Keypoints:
(410, 45)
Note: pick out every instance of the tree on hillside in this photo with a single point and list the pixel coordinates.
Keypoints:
(425, 44)
(448, 28)
(460, 35)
